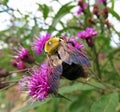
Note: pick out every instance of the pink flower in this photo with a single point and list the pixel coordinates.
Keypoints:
(37, 84)
(23, 55)
(39, 43)
(21, 52)
(18, 64)
(79, 11)
(87, 33)
(82, 7)
(76, 43)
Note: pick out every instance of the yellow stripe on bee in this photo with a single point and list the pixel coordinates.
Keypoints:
(52, 45)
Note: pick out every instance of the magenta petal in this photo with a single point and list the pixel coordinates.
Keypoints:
(79, 11)
(37, 84)
(88, 33)
(39, 43)
(76, 43)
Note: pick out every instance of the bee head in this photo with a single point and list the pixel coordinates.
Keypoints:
(52, 45)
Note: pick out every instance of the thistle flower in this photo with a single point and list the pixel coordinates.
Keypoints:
(91, 32)
(23, 53)
(39, 43)
(87, 33)
(18, 64)
(76, 43)
(82, 7)
(37, 84)
(79, 11)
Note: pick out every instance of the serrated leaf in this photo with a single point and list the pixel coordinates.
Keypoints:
(107, 103)
(45, 10)
(65, 9)
(75, 87)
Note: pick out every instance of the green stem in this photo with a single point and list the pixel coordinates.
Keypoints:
(101, 26)
(97, 61)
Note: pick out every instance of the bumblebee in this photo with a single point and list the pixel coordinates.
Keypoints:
(64, 60)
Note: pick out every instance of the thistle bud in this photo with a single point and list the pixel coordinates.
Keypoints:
(96, 10)
(89, 20)
(105, 12)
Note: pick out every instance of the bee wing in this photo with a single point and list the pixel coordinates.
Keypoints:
(54, 73)
(69, 54)
(78, 57)
(64, 55)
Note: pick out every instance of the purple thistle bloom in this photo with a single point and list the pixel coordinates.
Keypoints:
(76, 43)
(21, 52)
(79, 11)
(36, 84)
(91, 32)
(82, 34)
(20, 65)
(82, 7)
(39, 43)
(88, 33)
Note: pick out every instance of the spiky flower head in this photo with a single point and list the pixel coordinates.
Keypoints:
(19, 64)
(87, 33)
(76, 43)
(82, 7)
(39, 43)
(36, 85)
(21, 52)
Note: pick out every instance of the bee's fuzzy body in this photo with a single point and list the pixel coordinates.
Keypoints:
(73, 71)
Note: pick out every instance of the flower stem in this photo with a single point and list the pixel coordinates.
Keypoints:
(96, 61)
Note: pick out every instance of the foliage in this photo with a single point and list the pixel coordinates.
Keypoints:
(100, 92)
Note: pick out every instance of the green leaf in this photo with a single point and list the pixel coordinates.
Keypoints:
(82, 102)
(65, 9)
(107, 103)
(112, 1)
(5, 2)
(97, 84)
(116, 15)
(32, 106)
(75, 87)
(45, 10)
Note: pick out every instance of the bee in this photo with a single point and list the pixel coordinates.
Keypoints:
(63, 60)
